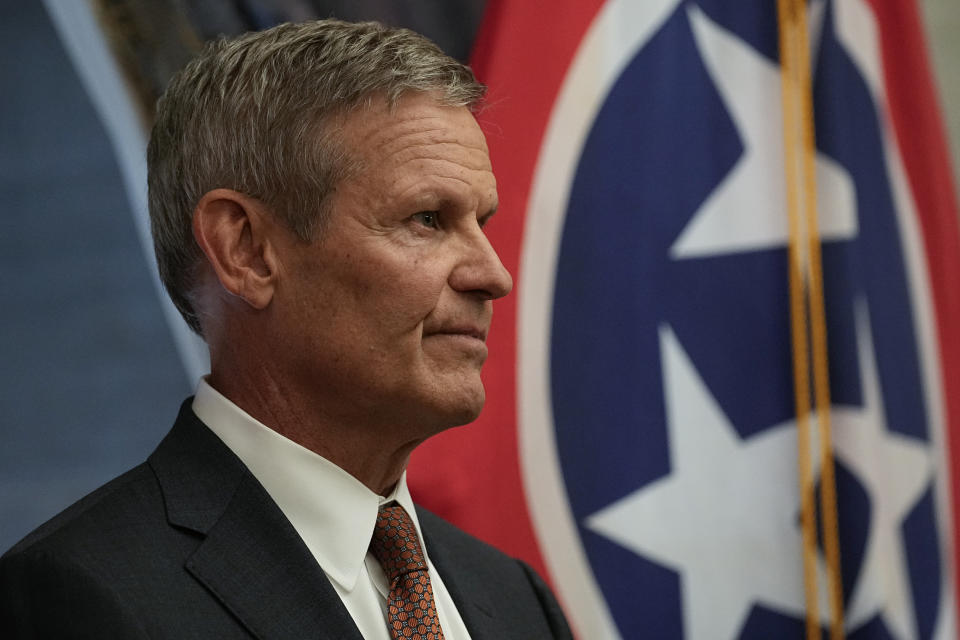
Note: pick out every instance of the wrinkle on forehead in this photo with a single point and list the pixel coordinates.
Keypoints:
(420, 146)
(434, 146)
(439, 177)
(475, 158)
(432, 129)
(484, 186)
(377, 129)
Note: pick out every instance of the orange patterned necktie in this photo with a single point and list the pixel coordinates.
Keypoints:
(411, 611)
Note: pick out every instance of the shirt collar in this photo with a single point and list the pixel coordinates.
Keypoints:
(333, 512)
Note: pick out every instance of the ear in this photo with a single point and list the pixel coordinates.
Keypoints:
(234, 231)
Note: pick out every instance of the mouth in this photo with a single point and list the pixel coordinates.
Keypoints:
(467, 331)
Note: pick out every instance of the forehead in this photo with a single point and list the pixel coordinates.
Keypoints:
(417, 127)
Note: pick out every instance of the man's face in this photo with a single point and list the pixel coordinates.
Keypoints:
(388, 310)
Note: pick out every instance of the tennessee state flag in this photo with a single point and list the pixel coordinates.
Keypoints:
(639, 443)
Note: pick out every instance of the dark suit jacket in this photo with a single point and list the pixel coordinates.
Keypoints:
(190, 545)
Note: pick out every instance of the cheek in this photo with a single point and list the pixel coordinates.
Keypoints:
(401, 290)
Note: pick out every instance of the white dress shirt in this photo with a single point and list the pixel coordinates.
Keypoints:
(333, 512)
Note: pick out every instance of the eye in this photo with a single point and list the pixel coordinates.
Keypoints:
(427, 218)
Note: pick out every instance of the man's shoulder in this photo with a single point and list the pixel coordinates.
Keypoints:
(77, 564)
(494, 580)
(448, 545)
(137, 512)
(121, 520)
(115, 563)
(116, 507)
(436, 528)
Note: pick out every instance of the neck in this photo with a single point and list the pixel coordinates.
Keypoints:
(375, 454)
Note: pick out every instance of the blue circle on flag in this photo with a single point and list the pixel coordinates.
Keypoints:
(662, 142)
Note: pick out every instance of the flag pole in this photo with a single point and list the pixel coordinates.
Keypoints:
(806, 297)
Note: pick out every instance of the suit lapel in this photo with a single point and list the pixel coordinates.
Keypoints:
(474, 602)
(256, 564)
(251, 558)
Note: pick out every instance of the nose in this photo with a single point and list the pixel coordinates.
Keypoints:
(479, 269)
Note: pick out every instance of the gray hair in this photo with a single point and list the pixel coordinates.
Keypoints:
(251, 114)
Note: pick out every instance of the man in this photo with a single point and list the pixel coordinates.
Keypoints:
(318, 194)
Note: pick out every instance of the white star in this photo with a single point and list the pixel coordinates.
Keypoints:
(748, 210)
(726, 517)
(895, 470)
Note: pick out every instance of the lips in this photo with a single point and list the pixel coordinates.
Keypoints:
(466, 330)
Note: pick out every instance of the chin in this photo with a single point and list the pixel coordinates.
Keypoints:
(455, 412)
(468, 415)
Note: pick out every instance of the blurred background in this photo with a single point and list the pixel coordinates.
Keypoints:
(92, 375)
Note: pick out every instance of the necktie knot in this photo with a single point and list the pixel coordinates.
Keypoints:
(411, 611)
(395, 543)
